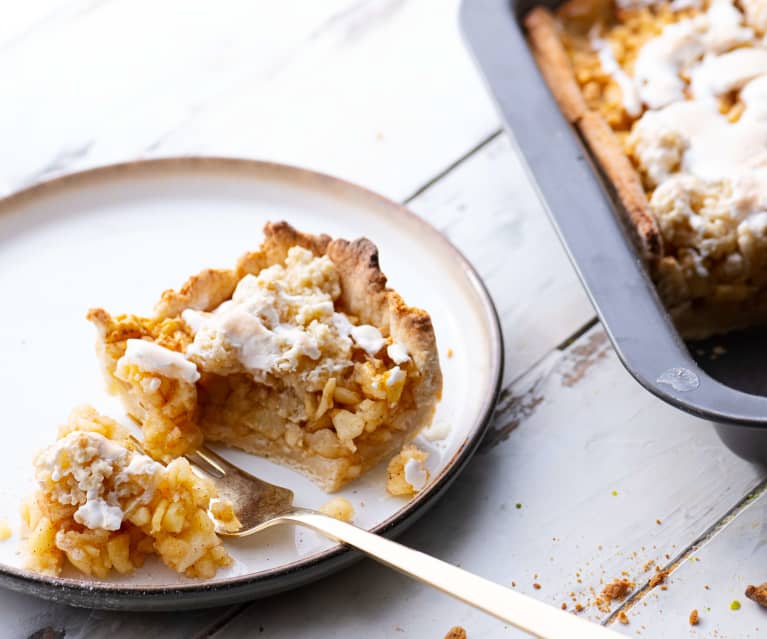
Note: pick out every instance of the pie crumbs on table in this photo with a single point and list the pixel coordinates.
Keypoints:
(758, 594)
(694, 617)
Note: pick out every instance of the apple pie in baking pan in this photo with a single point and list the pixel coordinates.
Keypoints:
(671, 98)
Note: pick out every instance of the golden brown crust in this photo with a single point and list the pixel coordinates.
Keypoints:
(206, 290)
(456, 632)
(543, 32)
(550, 54)
(364, 293)
(202, 292)
(758, 594)
(700, 319)
(582, 14)
(625, 179)
(279, 237)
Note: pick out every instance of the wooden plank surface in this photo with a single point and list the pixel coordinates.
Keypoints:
(488, 208)
(579, 466)
(709, 579)
(382, 92)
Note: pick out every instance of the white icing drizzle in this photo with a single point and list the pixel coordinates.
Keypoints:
(193, 318)
(756, 14)
(710, 147)
(153, 358)
(660, 62)
(395, 376)
(79, 464)
(368, 338)
(273, 320)
(631, 102)
(701, 163)
(657, 67)
(719, 74)
(415, 474)
(342, 324)
(437, 431)
(96, 513)
(397, 353)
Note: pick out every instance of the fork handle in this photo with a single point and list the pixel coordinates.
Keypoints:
(526, 613)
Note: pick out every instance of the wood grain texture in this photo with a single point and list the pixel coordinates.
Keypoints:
(383, 93)
(380, 92)
(26, 617)
(568, 488)
(489, 209)
(710, 579)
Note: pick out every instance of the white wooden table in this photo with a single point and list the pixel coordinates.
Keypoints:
(584, 476)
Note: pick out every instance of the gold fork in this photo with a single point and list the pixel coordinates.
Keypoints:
(260, 505)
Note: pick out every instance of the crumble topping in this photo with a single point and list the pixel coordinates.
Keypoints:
(102, 504)
(406, 473)
(684, 87)
(662, 59)
(758, 594)
(102, 478)
(273, 320)
(153, 358)
(283, 321)
(340, 508)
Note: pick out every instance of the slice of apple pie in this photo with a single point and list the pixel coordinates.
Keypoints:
(300, 354)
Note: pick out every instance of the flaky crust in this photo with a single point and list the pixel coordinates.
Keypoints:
(702, 319)
(625, 180)
(543, 33)
(364, 294)
(549, 53)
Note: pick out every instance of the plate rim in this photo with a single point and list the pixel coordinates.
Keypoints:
(151, 597)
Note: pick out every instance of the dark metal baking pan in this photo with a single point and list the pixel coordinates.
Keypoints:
(720, 380)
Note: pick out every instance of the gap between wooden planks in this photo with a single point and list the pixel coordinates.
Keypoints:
(591, 458)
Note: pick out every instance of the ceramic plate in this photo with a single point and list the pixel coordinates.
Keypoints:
(116, 237)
